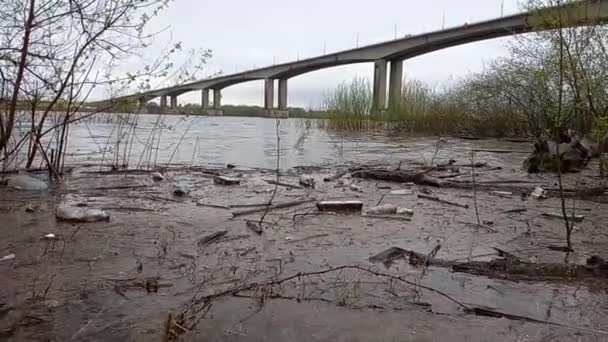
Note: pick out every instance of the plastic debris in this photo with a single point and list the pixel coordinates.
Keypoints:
(67, 212)
(27, 183)
(385, 209)
(223, 180)
(307, 181)
(8, 257)
(405, 211)
(157, 176)
(340, 205)
(50, 236)
(539, 193)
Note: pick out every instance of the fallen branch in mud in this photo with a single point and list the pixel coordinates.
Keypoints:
(500, 151)
(200, 305)
(504, 268)
(437, 199)
(420, 178)
(206, 240)
(287, 185)
(272, 207)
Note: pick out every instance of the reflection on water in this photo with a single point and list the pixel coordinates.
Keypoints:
(251, 142)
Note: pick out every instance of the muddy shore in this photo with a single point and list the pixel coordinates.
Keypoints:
(118, 280)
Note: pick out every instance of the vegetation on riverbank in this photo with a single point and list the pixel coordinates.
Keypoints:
(550, 82)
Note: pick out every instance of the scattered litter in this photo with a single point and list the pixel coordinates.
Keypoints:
(437, 199)
(355, 187)
(307, 181)
(539, 193)
(8, 257)
(68, 213)
(340, 206)
(181, 191)
(157, 176)
(400, 192)
(506, 194)
(224, 180)
(577, 218)
(382, 209)
(27, 183)
(50, 236)
(405, 211)
(255, 227)
(206, 240)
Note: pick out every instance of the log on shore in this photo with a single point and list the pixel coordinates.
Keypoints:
(420, 178)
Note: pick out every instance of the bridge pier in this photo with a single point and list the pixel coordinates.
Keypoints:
(141, 106)
(217, 99)
(395, 84)
(271, 110)
(283, 94)
(173, 103)
(379, 95)
(268, 93)
(205, 108)
(163, 104)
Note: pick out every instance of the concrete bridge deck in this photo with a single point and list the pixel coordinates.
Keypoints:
(391, 53)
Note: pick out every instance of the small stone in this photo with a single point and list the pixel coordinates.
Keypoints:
(29, 209)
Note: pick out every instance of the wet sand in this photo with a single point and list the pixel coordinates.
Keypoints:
(90, 284)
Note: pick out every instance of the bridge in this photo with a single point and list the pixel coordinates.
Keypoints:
(387, 57)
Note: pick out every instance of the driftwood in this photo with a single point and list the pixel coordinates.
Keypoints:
(507, 267)
(287, 185)
(420, 178)
(437, 199)
(206, 240)
(271, 207)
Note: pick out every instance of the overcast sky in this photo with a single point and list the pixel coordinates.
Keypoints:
(244, 34)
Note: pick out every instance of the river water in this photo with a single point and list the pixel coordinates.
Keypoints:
(252, 142)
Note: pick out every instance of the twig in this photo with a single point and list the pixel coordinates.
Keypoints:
(274, 191)
(437, 199)
(272, 207)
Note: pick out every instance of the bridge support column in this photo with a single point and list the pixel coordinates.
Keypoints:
(268, 94)
(379, 96)
(395, 84)
(283, 94)
(141, 106)
(217, 99)
(163, 104)
(173, 103)
(205, 98)
(205, 108)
